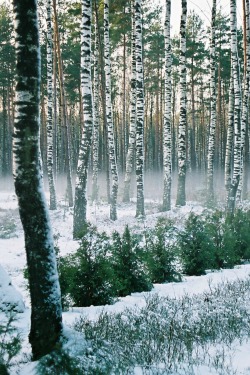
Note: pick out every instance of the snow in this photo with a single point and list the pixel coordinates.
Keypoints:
(13, 260)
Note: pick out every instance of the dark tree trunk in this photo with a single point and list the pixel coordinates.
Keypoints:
(46, 313)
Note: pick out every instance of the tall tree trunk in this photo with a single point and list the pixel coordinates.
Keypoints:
(140, 211)
(245, 104)
(211, 138)
(109, 116)
(80, 206)
(181, 188)
(237, 110)
(50, 145)
(167, 134)
(46, 312)
(96, 118)
(230, 133)
(64, 109)
(131, 144)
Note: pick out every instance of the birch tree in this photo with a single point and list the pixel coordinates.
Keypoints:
(109, 116)
(230, 135)
(181, 188)
(237, 110)
(140, 211)
(211, 138)
(245, 103)
(50, 170)
(132, 130)
(96, 119)
(63, 107)
(46, 312)
(167, 136)
(80, 206)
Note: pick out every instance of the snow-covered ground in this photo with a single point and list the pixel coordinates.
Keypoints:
(12, 259)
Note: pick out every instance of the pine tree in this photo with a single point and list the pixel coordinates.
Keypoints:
(109, 116)
(51, 180)
(80, 206)
(181, 193)
(211, 138)
(139, 112)
(167, 136)
(46, 313)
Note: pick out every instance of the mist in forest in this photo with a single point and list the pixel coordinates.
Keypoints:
(195, 186)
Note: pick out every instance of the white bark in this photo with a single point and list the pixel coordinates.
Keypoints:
(109, 115)
(167, 136)
(181, 193)
(132, 130)
(80, 206)
(139, 112)
(211, 138)
(50, 169)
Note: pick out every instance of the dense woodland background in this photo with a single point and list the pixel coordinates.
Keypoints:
(198, 95)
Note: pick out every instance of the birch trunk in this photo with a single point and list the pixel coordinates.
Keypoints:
(46, 312)
(96, 120)
(80, 207)
(50, 170)
(181, 189)
(132, 130)
(245, 103)
(230, 135)
(237, 110)
(211, 138)
(140, 211)
(64, 109)
(167, 135)
(109, 116)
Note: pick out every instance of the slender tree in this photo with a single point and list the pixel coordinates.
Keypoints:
(80, 207)
(132, 130)
(46, 313)
(140, 211)
(167, 136)
(237, 110)
(63, 107)
(211, 137)
(181, 189)
(245, 103)
(109, 116)
(50, 170)
(96, 118)
(230, 135)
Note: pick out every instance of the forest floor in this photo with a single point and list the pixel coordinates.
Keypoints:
(13, 260)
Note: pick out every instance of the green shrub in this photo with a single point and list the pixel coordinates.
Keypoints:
(194, 245)
(86, 277)
(10, 342)
(131, 273)
(161, 253)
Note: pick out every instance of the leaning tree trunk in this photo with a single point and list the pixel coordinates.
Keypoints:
(109, 116)
(211, 137)
(140, 211)
(80, 207)
(46, 312)
(245, 103)
(131, 143)
(50, 104)
(181, 188)
(96, 119)
(167, 134)
(237, 111)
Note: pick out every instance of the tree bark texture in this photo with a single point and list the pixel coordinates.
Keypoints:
(46, 312)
